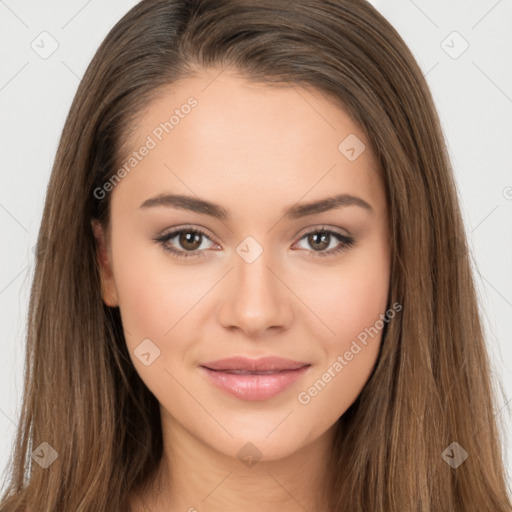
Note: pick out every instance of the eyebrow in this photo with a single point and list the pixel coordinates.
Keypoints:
(294, 212)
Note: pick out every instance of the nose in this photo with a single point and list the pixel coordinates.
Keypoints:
(256, 298)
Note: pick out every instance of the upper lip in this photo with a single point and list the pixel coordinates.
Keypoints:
(254, 365)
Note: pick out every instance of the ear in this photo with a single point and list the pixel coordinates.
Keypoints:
(108, 287)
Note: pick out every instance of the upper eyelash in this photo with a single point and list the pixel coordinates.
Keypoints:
(345, 241)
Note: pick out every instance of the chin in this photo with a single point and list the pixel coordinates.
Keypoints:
(264, 444)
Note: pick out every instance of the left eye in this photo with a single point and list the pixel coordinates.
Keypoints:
(321, 238)
(190, 239)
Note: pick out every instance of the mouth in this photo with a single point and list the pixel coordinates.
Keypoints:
(247, 372)
(250, 379)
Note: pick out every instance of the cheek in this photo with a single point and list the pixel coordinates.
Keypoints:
(153, 290)
(348, 298)
(159, 301)
(143, 298)
(351, 305)
(154, 301)
(153, 295)
(347, 363)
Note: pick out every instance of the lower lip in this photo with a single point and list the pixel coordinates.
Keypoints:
(255, 387)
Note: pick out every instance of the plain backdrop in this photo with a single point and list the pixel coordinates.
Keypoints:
(463, 47)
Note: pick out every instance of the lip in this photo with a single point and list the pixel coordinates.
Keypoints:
(254, 379)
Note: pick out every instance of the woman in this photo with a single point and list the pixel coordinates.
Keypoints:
(253, 288)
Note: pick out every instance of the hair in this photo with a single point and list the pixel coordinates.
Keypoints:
(432, 383)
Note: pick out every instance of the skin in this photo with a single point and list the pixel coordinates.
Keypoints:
(255, 150)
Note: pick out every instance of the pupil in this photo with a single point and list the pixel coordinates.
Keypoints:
(189, 240)
(323, 239)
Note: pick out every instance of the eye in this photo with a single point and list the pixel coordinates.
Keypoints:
(190, 239)
(321, 239)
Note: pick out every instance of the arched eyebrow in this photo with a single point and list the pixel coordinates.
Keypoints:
(293, 212)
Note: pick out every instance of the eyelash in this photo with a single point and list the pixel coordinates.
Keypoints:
(345, 242)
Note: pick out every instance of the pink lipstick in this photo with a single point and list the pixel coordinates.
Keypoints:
(254, 379)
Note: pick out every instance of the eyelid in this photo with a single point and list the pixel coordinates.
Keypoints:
(323, 227)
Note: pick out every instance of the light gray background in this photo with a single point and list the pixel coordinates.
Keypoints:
(472, 91)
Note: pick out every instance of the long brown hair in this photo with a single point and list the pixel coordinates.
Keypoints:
(432, 384)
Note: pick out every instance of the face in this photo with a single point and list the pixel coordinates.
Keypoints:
(243, 264)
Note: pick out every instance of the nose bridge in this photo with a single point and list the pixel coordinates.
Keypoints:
(256, 298)
(252, 269)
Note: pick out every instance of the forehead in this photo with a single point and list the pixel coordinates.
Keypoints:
(217, 134)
